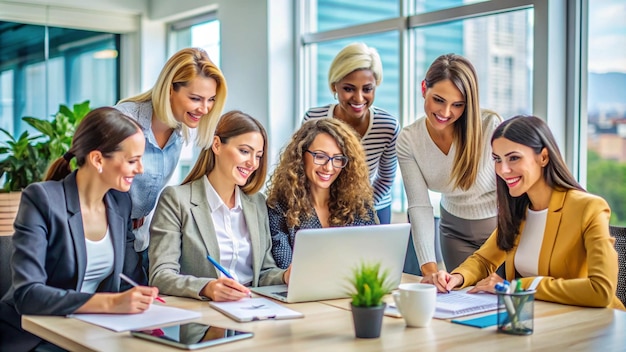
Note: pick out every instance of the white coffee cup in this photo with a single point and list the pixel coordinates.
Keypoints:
(416, 302)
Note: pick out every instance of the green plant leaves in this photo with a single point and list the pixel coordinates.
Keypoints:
(370, 285)
(27, 158)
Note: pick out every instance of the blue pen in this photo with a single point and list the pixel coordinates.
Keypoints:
(223, 270)
(219, 267)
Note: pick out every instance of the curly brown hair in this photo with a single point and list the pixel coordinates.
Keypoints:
(351, 195)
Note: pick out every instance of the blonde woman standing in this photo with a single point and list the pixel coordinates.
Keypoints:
(448, 151)
(190, 93)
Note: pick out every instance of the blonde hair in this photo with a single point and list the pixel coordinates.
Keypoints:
(355, 56)
(351, 195)
(182, 67)
(468, 129)
(232, 124)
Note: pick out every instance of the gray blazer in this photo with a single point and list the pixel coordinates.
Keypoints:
(182, 235)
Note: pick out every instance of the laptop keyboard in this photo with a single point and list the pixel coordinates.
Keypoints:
(283, 293)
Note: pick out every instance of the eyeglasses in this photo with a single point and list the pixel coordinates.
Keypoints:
(338, 161)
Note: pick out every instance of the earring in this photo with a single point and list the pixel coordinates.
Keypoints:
(100, 169)
(335, 95)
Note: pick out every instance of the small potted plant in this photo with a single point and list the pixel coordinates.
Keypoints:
(370, 285)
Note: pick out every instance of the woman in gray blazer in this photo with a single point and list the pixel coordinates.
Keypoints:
(73, 234)
(217, 211)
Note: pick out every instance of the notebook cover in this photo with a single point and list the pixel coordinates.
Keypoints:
(481, 322)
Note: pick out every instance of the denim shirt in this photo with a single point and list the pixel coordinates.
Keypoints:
(158, 165)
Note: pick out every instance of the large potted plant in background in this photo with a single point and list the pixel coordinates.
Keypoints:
(370, 285)
(24, 159)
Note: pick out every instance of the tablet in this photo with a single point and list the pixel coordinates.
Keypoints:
(192, 336)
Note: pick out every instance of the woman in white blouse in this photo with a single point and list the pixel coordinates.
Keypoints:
(218, 212)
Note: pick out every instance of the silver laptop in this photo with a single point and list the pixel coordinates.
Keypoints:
(324, 259)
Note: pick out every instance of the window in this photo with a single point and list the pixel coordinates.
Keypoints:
(606, 106)
(496, 38)
(504, 72)
(201, 32)
(42, 67)
(333, 14)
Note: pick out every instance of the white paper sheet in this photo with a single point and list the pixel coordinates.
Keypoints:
(460, 303)
(155, 315)
(250, 309)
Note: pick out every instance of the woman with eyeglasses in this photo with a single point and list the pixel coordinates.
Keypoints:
(321, 181)
(353, 77)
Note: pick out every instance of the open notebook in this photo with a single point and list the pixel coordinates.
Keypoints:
(460, 303)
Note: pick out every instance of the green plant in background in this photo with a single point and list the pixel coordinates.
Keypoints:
(23, 163)
(27, 158)
(370, 285)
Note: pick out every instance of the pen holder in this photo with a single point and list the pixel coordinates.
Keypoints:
(520, 309)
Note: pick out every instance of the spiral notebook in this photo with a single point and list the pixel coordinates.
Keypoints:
(460, 303)
(251, 309)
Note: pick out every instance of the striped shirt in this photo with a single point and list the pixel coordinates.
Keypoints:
(379, 144)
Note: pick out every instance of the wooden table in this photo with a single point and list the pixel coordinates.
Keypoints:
(327, 326)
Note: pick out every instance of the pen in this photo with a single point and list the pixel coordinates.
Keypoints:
(130, 281)
(219, 267)
(222, 269)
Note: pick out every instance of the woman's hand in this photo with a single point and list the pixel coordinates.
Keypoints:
(286, 274)
(225, 289)
(443, 280)
(487, 284)
(135, 300)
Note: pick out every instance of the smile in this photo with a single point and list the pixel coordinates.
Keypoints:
(194, 117)
(441, 118)
(324, 177)
(244, 172)
(358, 106)
(512, 182)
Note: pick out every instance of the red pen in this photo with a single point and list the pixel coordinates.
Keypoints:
(130, 281)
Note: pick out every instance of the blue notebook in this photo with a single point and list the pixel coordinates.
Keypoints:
(481, 322)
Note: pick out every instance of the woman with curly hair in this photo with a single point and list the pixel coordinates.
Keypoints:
(321, 181)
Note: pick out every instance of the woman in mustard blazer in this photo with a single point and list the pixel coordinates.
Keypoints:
(552, 234)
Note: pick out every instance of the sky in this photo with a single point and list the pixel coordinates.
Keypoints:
(607, 36)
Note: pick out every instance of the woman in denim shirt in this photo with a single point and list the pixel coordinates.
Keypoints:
(189, 93)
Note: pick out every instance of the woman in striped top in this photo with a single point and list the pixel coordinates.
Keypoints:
(448, 151)
(353, 77)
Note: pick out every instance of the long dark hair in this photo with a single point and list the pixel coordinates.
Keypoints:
(534, 133)
(103, 129)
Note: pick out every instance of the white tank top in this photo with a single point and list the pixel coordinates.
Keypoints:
(100, 259)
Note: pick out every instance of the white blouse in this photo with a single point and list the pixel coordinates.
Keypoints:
(233, 236)
(527, 255)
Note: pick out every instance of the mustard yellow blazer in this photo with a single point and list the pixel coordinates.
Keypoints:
(577, 259)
